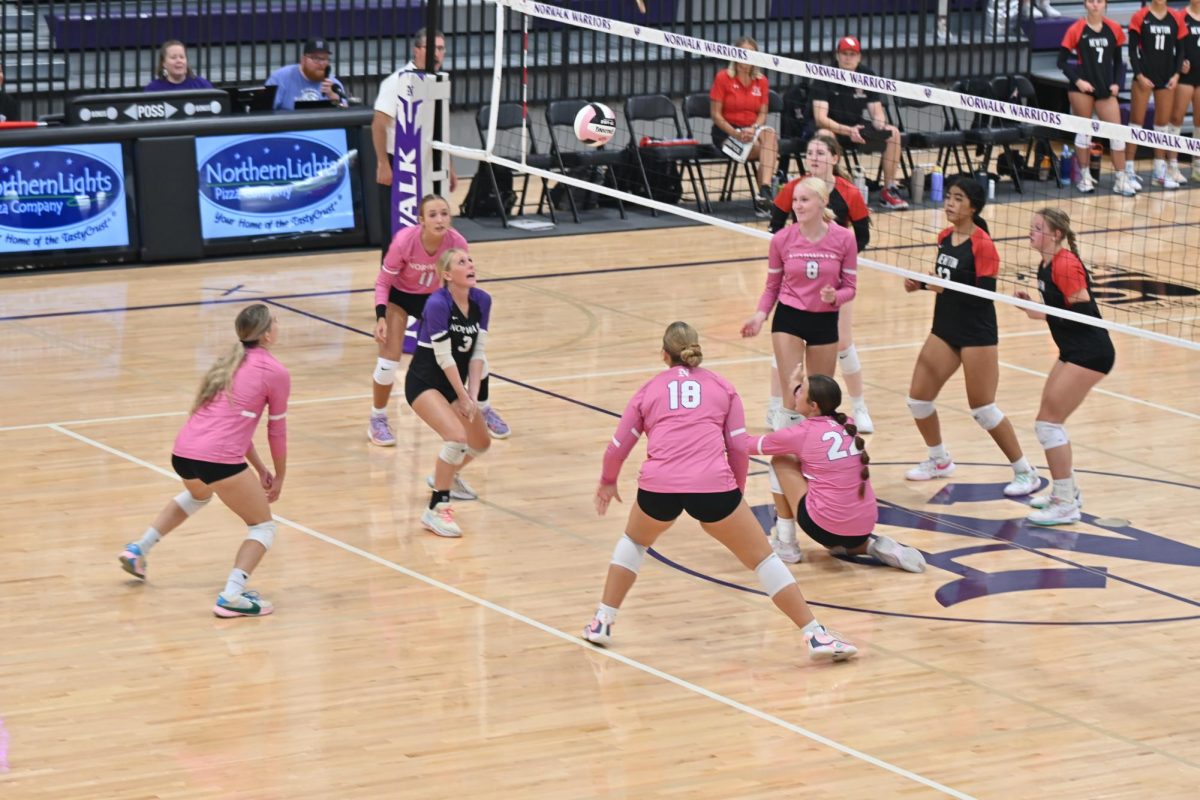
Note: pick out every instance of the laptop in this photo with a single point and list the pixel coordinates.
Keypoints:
(248, 99)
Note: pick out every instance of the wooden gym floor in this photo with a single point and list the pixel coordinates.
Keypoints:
(1024, 663)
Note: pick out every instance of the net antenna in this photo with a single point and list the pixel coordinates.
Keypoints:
(921, 235)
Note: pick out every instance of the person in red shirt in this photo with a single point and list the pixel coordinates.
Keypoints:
(740, 98)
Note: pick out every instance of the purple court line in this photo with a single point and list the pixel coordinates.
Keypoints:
(334, 292)
(884, 613)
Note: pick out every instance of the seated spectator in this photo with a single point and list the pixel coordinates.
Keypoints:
(10, 109)
(840, 109)
(309, 80)
(173, 73)
(739, 100)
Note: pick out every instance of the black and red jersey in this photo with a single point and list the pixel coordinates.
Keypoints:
(1092, 55)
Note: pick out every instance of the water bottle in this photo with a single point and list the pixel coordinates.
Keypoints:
(991, 195)
(916, 188)
(1044, 168)
(860, 183)
(936, 183)
(1064, 166)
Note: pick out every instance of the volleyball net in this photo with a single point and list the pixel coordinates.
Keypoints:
(1143, 251)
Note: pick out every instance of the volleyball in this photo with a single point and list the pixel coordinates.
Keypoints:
(595, 124)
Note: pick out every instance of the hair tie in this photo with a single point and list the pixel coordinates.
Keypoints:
(248, 342)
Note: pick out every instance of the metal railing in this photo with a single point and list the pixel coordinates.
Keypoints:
(57, 49)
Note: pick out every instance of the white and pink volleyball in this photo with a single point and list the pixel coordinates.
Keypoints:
(595, 124)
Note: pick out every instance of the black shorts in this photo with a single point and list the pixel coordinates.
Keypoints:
(814, 327)
(820, 535)
(1098, 360)
(700, 506)
(1160, 81)
(191, 469)
(1191, 78)
(415, 386)
(958, 339)
(413, 304)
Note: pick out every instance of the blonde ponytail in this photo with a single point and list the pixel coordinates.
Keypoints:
(682, 344)
(252, 324)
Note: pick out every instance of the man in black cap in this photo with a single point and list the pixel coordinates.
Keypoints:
(309, 80)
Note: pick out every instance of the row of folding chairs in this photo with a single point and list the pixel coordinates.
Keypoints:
(649, 119)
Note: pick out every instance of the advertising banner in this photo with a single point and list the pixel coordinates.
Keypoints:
(65, 197)
(271, 184)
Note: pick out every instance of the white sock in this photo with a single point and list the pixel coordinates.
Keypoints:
(1021, 465)
(379, 412)
(857, 402)
(1064, 489)
(813, 627)
(150, 538)
(785, 530)
(774, 403)
(236, 584)
(938, 453)
(606, 614)
(1129, 168)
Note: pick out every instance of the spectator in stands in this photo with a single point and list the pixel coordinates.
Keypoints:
(739, 98)
(309, 80)
(839, 109)
(384, 123)
(174, 73)
(10, 109)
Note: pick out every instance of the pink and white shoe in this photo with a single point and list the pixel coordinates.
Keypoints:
(440, 520)
(826, 645)
(598, 632)
(929, 469)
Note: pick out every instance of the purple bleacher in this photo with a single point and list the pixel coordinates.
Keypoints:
(788, 9)
(217, 23)
(658, 13)
(1046, 34)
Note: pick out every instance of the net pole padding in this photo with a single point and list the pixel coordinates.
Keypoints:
(479, 155)
(910, 91)
(497, 80)
(524, 85)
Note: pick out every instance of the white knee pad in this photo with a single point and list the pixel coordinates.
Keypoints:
(1083, 140)
(1116, 145)
(1162, 128)
(773, 479)
(988, 416)
(921, 408)
(1174, 130)
(385, 371)
(628, 554)
(848, 359)
(189, 504)
(453, 452)
(773, 575)
(473, 453)
(263, 533)
(1050, 434)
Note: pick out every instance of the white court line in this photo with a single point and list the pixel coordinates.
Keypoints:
(746, 360)
(159, 414)
(566, 637)
(1118, 395)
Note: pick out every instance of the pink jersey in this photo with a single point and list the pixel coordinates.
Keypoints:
(798, 269)
(221, 430)
(692, 419)
(409, 268)
(833, 467)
